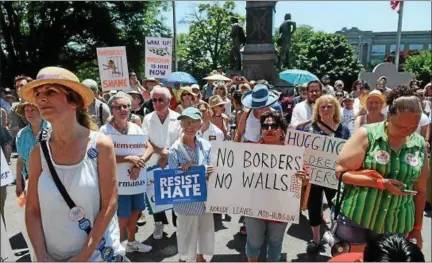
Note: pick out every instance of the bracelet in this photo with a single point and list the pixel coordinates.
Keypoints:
(419, 228)
(380, 184)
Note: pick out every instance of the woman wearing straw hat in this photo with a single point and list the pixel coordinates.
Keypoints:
(217, 105)
(221, 90)
(186, 96)
(72, 188)
(374, 103)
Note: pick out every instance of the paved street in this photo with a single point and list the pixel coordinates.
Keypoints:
(229, 245)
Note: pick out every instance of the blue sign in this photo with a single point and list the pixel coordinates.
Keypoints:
(174, 186)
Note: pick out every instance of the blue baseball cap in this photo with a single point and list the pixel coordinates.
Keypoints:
(190, 112)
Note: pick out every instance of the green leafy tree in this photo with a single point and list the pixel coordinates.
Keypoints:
(38, 34)
(208, 42)
(421, 66)
(329, 54)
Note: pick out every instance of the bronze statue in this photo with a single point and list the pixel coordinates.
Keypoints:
(239, 40)
(286, 30)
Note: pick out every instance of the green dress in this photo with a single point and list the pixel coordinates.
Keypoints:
(379, 210)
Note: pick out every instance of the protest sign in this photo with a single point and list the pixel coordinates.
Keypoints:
(6, 253)
(113, 68)
(150, 192)
(173, 186)
(158, 57)
(6, 175)
(320, 157)
(255, 180)
(125, 145)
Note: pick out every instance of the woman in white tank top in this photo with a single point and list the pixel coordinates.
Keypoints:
(84, 228)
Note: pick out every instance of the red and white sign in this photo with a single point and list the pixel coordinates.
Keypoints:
(113, 68)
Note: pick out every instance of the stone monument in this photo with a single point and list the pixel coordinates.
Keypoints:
(239, 40)
(259, 55)
(286, 30)
(394, 78)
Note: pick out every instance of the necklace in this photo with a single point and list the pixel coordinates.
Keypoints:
(122, 131)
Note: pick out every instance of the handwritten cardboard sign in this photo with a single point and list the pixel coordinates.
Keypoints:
(6, 174)
(113, 68)
(125, 145)
(321, 153)
(150, 192)
(173, 186)
(255, 180)
(158, 57)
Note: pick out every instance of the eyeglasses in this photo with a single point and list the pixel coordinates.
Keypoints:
(266, 126)
(338, 95)
(160, 100)
(315, 91)
(119, 107)
(220, 88)
(186, 94)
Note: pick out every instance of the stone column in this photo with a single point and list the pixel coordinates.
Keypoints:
(259, 54)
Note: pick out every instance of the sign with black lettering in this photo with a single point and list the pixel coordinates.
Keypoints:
(125, 145)
(5, 172)
(255, 180)
(320, 157)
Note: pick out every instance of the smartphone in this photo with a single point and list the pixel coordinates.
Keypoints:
(409, 191)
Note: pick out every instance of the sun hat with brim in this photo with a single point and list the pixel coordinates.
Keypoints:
(259, 97)
(20, 109)
(190, 112)
(374, 93)
(60, 76)
(216, 100)
(150, 80)
(134, 92)
(185, 89)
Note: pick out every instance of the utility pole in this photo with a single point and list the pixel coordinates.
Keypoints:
(399, 34)
(175, 38)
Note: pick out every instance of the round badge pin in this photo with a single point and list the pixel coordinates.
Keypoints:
(92, 153)
(76, 213)
(107, 253)
(85, 224)
(101, 244)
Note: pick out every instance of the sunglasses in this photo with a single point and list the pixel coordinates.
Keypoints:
(119, 107)
(160, 100)
(186, 94)
(269, 126)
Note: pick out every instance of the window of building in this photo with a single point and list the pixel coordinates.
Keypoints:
(393, 47)
(430, 47)
(378, 53)
(416, 47)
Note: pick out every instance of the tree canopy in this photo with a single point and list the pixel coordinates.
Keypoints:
(38, 34)
(420, 66)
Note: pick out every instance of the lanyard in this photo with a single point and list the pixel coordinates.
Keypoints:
(76, 213)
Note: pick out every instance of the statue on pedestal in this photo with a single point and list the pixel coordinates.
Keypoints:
(286, 30)
(239, 40)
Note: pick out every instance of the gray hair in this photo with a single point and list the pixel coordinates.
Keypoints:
(405, 104)
(119, 95)
(161, 90)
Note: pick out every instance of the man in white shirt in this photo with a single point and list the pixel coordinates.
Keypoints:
(162, 129)
(327, 88)
(302, 113)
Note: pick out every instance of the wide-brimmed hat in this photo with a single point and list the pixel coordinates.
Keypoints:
(374, 93)
(185, 89)
(20, 109)
(216, 100)
(134, 92)
(259, 97)
(150, 80)
(57, 75)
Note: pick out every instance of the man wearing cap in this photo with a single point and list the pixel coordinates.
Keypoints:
(98, 110)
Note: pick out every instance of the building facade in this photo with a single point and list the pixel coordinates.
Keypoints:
(372, 47)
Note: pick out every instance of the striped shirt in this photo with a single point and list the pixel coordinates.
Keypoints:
(199, 156)
(379, 210)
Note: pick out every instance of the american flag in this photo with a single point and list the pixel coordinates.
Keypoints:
(395, 5)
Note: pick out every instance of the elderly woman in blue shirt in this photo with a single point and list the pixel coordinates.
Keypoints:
(26, 140)
(195, 227)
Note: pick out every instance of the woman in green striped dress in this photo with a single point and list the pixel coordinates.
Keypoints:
(394, 203)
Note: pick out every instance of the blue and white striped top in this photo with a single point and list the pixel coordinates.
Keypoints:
(200, 156)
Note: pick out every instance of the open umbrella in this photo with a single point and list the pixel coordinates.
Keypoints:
(179, 77)
(297, 76)
(217, 77)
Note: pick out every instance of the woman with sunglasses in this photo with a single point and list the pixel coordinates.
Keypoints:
(221, 90)
(129, 206)
(273, 128)
(356, 88)
(217, 105)
(187, 97)
(327, 121)
(72, 187)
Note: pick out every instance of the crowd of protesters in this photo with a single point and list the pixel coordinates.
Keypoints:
(180, 123)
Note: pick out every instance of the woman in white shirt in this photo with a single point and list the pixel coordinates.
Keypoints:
(209, 131)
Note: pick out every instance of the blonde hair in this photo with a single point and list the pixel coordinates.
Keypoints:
(207, 106)
(220, 85)
(337, 118)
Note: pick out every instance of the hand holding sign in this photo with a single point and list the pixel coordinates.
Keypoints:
(135, 160)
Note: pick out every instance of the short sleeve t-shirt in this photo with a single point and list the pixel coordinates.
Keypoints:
(213, 133)
(348, 118)
(301, 112)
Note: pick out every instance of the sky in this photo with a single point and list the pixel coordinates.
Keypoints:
(331, 16)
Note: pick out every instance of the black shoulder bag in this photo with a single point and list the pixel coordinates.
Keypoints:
(76, 212)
